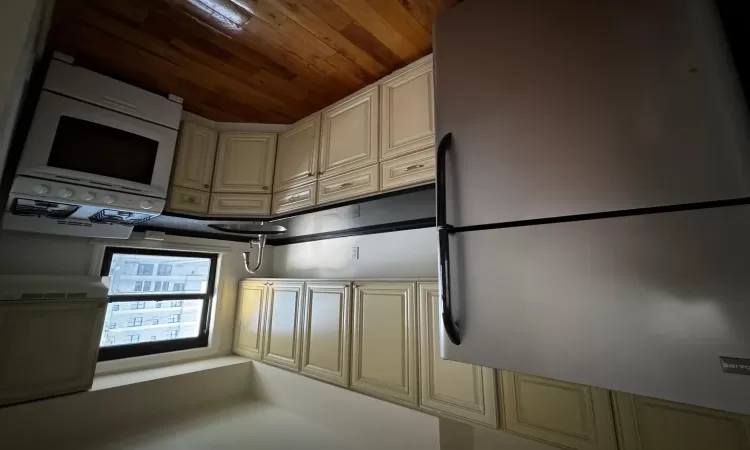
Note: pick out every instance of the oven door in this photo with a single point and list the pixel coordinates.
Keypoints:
(89, 145)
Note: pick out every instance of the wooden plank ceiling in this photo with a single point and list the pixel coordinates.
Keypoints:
(266, 61)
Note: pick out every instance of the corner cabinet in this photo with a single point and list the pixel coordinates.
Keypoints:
(564, 414)
(48, 347)
(651, 424)
(244, 163)
(194, 165)
(349, 134)
(326, 331)
(297, 155)
(384, 341)
(459, 390)
(249, 329)
(282, 337)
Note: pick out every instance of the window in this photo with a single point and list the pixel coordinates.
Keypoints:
(164, 270)
(193, 295)
(145, 269)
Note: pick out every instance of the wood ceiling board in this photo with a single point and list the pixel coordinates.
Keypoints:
(266, 61)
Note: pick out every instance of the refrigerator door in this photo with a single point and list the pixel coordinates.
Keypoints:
(643, 304)
(558, 110)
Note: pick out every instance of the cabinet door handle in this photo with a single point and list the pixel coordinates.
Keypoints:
(415, 166)
(444, 230)
(346, 185)
(191, 199)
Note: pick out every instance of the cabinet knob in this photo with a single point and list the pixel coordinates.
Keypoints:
(205, 186)
(265, 188)
(191, 199)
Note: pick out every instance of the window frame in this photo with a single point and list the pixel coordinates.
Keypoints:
(144, 348)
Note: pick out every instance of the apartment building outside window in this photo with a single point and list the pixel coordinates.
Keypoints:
(165, 294)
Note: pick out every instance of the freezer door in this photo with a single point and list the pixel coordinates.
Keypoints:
(558, 110)
(643, 304)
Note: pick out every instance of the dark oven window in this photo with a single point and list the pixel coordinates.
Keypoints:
(89, 147)
(158, 301)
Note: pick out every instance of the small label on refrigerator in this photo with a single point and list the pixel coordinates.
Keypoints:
(740, 366)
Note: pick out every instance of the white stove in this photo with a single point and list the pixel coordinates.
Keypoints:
(45, 206)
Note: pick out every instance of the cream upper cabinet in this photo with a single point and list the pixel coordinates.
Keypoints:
(297, 155)
(650, 424)
(565, 414)
(48, 347)
(283, 334)
(406, 103)
(248, 332)
(349, 134)
(244, 162)
(194, 165)
(460, 390)
(326, 331)
(384, 344)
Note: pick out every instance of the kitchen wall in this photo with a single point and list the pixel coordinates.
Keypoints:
(22, 22)
(39, 254)
(400, 254)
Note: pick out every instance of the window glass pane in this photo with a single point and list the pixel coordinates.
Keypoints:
(135, 322)
(141, 274)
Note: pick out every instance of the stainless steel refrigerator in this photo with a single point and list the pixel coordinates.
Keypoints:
(593, 190)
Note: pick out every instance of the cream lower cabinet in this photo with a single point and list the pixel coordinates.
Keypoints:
(282, 336)
(384, 341)
(650, 424)
(564, 414)
(326, 331)
(248, 331)
(463, 391)
(48, 347)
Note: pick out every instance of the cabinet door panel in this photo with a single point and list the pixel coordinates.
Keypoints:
(297, 155)
(301, 197)
(248, 339)
(240, 204)
(349, 134)
(461, 390)
(283, 322)
(326, 331)
(651, 424)
(244, 162)
(48, 348)
(566, 414)
(417, 168)
(182, 199)
(384, 341)
(194, 166)
(349, 185)
(407, 112)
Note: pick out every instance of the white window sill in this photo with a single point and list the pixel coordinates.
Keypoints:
(107, 381)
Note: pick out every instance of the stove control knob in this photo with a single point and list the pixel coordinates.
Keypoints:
(41, 189)
(108, 199)
(89, 196)
(65, 193)
(146, 204)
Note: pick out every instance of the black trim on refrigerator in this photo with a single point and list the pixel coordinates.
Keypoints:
(444, 230)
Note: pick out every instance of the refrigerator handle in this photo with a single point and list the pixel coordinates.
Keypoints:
(444, 231)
